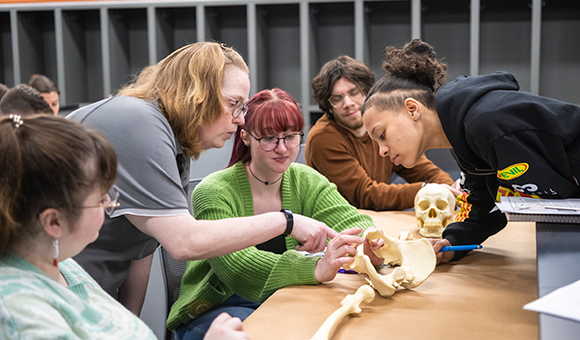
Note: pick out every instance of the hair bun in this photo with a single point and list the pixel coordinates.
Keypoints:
(416, 61)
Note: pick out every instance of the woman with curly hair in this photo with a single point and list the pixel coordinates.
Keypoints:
(506, 142)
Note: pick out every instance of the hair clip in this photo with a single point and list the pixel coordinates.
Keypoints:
(16, 120)
(223, 46)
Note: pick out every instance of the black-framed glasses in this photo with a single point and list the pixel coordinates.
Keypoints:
(109, 202)
(269, 143)
(338, 99)
(238, 108)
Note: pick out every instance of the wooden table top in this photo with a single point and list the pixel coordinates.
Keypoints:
(479, 297)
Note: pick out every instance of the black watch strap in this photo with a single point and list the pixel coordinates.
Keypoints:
(289, 221)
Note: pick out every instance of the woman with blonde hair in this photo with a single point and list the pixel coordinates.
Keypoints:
(191, 101)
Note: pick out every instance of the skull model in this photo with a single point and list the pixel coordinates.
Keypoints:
(434, 209)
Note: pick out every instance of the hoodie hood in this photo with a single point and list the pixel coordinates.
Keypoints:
(455, 99)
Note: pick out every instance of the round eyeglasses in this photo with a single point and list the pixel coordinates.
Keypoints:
(109, 202)
(238, 108)
(269, 143)
(338, 99)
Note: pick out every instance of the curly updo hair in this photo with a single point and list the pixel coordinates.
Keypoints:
(413, 71)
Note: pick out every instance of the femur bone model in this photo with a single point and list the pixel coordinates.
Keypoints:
(350, 304)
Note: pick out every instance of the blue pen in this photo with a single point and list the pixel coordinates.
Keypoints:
(461, 248)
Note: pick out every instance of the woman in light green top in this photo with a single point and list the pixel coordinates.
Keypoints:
(263, 178)
(56, 184)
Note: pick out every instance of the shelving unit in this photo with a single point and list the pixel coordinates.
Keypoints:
(278, 48)
(81, 39)
(506, 39)
(385, 23)
(175, 28)
(450, 19)
(91, 48)
(6, 63)
(36, 39)
(560, 51)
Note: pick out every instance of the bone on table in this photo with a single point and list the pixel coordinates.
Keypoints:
(350, 304)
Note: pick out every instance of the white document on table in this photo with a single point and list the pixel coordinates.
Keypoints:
(527, 205)
(563, 302)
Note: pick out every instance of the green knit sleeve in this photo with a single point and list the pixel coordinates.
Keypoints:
(251, 273)
(256, 274)
(213, 198)
(319, 199)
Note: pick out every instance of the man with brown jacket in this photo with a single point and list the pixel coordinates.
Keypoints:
(339, 147)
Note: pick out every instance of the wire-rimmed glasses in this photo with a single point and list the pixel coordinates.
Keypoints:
(269, 143)
(338, 99)
(109, 203)
(239, 108)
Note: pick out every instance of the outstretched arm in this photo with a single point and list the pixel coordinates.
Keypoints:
(186, 238)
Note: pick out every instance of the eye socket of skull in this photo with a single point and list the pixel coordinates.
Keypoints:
(424, 204)
(442, 205)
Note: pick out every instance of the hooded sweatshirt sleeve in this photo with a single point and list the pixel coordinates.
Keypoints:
(508, 143)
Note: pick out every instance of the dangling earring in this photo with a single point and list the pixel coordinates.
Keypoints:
(55, 252)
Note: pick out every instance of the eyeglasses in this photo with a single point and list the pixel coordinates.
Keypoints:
(238, 108)
(338, 99)
(269, 143)
(109, 202)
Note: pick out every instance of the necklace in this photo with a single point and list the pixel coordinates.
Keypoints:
(259, 180)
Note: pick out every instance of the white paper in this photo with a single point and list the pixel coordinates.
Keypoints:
(563, 302)
(527, 205)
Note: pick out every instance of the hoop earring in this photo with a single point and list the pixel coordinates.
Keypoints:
(55, 252)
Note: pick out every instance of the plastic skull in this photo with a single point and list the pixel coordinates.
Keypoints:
(434, 209)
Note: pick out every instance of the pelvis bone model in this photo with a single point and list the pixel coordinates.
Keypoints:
(434, 209)
(416, 260)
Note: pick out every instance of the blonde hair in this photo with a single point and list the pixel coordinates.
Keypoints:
(187, 86)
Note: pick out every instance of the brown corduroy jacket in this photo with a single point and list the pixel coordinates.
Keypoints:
(360, 173)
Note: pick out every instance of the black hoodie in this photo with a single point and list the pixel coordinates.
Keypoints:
(507, 143)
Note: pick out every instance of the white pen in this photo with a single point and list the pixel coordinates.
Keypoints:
(562, 208)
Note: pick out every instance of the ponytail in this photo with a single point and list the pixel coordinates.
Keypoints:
(10, 179)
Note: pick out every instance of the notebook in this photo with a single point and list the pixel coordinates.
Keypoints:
(526, 209)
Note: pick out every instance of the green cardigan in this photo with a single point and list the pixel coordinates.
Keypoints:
(251, 273)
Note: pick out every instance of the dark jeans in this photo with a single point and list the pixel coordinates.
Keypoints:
(236, 306)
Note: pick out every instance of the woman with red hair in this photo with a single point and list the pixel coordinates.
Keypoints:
(262, 177)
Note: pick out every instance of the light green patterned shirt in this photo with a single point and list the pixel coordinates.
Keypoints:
(34, 306)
